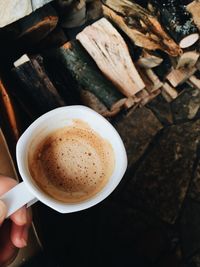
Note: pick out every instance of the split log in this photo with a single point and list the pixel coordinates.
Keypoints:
(75, 62)
(144, 101)
(151, 80)
(179, 76)
(110, 52)
(194, 9)
(187, 60)
(36, 90)
(7, 108)
(168, 92)
(90, 100)
(149, 60)
(178, 21)
(37, 25)
(194, 82)
(140, 26)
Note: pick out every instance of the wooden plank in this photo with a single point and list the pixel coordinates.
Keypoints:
(110, 52)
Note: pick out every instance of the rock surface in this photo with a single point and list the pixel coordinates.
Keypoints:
(162, 179)
(137, 130)
(186, 106)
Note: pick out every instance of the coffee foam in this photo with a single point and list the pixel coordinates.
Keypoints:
(72, 163)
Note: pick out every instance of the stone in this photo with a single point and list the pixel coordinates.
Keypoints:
(186, 106)
(162, 109)
(137, 236)
(13, 10)
(190, 228)
(161, 181)
(137, 129)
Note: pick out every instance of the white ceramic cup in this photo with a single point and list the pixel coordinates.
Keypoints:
(28, 192)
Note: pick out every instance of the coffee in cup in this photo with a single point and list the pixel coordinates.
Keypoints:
(72, 163)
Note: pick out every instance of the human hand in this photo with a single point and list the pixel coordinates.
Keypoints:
(13, 232)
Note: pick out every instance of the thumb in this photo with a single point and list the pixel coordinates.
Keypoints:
(3, 211)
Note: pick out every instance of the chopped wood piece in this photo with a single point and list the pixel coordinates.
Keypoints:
(37, 25)
(148, 60)
(187, 60)
(36, 92)
(151, 80)
(194, 81)
(154, 79)
(149, 98)
(110, 52)
(179, 76)
(194, 9)
(168, 92)
(73, 61)
(131, 101)
(23, 59)
(8, 109)
(178, 21)
(140, 26)
(90, 100)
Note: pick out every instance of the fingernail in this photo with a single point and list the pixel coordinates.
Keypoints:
(3, 211)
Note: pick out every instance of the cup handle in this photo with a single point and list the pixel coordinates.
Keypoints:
(17, 197)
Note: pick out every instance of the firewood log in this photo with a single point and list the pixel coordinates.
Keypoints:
(187, 60)
(73, 61)
(110, 52)
(178, 21)
(179, 76)
(90, 100)
(194, 82)
(36, 92)
(37, 25)
(140, 25)
(168, 92)
(149, 60)
(194, 9)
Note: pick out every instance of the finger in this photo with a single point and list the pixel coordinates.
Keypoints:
(7, 249)
(19, 235)
(3, 211)
(6, 183)
(19, 217)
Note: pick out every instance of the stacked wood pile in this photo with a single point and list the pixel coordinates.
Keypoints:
(131, 53)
